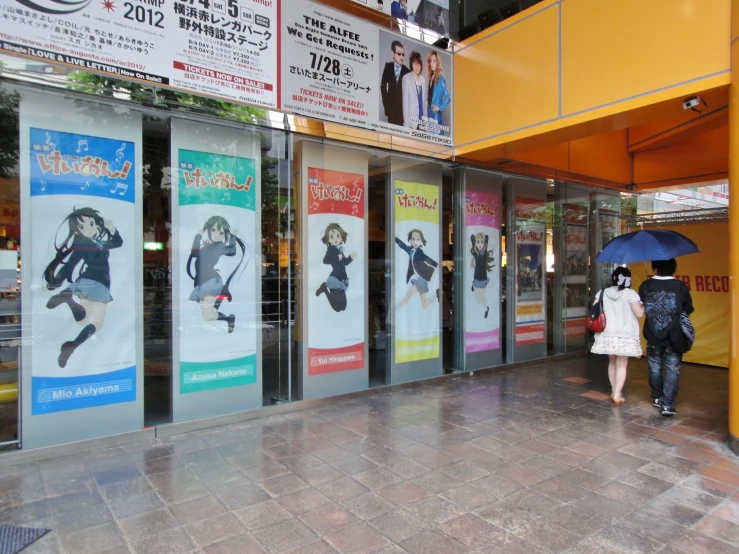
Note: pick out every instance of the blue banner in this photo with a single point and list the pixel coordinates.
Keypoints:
(59, 394)
(67, 163)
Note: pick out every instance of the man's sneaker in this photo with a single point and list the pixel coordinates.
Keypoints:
(669, 412)
(657, 403)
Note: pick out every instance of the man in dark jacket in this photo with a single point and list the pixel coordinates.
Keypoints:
(391, 85)
(664, 298)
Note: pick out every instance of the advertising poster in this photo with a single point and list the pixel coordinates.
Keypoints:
(706, 273)
(530, 276)
(336, 271)
(416, 266)
(482, 271)
(576, 260)
(83, 270)
(224, 48)
(218, 321)
(342, 69)
(428, 14)
(576, 278)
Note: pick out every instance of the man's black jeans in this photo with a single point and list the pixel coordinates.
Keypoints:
(664, 389)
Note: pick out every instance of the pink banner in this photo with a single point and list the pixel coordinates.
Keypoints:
(482, 208)
(480, 342)
(482, 267)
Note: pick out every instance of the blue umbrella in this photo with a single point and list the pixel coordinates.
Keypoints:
(644, 246)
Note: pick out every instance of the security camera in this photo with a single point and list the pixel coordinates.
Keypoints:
(693, 102)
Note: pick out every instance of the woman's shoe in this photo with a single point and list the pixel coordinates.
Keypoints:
(618, 400)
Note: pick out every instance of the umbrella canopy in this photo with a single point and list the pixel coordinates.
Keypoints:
(643, 246)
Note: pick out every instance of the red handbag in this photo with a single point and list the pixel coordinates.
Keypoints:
(595, 321)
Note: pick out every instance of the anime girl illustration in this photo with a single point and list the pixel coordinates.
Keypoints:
(334, 237)
(89, 240)
(420, 268)
(210, 290)
(482, 263)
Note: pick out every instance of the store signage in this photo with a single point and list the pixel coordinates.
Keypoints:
(221, 48)
(317, 62)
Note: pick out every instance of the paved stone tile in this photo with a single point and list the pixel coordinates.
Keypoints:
(404, 492)
(286, 535)
(216, 529)
(139, 527)
(328, 520)
(172, 540)
(399, 525)
(235, 545)
(368, 505)
(93, 541)
(263, 514)
(359, 538)
(195, 510)
(434, 509)
(135, 505)
(432, 542)
(343, 489)
(547, 536)
(304, 501)
(470, 530)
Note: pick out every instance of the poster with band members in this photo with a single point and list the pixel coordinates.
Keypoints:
(82, 252)
(530, 285)
(428, 14)
(345, 70)
(482, 270)
(417, 263)
(336, 271)
(223, 48)
(217, 199)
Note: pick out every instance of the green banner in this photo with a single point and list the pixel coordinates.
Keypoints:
(216, 179)
(202, 376)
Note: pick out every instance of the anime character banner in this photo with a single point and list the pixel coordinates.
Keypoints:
(530, 278)
(336, 271)
(217, 201)
(482, 271)
(83, 270)
(416, 265)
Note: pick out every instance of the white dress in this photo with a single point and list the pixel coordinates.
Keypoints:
(621, 336)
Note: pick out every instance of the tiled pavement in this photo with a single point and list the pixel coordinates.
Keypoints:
(525, 461)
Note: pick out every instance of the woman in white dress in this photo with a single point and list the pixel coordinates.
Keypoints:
(620, 339)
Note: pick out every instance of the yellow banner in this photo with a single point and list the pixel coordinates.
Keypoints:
(707, 277)
(416, 202)
(414, 350)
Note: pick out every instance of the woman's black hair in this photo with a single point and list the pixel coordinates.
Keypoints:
(54, 275)
(221, 224)
(618, 272)
(490, 259)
